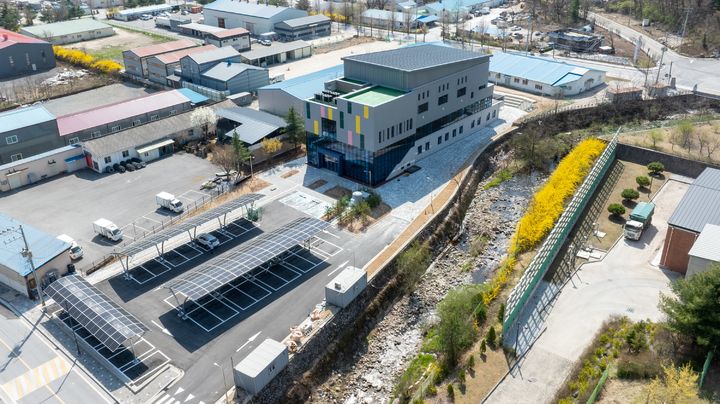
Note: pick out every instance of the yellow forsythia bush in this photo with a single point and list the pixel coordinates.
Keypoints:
(80, 58)
(549, 202)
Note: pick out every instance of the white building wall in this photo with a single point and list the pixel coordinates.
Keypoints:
(81, 36)
(37, 169)
(574, 88)
(697, 265)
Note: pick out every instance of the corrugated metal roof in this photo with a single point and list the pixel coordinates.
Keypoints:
(261, 357)
(201, 27)
(44, 246)
(9, 38)
(146, 9)
(707, 246)
(304, 87)
(65, 28)
(215, 55)
(116, 112)
(173, 57)
(701, 203)
(418, 57)
(274, 49)
(145, 134)
(23, 117)
(253, 126)
(239, 7)
(152, 50)
(224, 72)
(536, 69)
(41, 156)
(227, 33)
(194, 97)
(302, 21)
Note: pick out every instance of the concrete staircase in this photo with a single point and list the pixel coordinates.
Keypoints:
(517, 101)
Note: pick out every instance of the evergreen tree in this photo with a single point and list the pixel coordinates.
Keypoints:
(295, 129)
(303, 5)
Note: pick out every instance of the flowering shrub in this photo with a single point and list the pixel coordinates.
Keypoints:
(548, 203)
(80, 58)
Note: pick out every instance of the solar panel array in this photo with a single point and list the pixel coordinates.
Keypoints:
(249, 256)
(109, 323)
(172, 231)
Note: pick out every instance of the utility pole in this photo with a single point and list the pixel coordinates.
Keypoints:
(682, 36)
(660, 64)
(27, 253)
(529, 38)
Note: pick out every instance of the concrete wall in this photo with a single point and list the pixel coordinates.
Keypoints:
(697, 265)
(673, 164)
(32, 140)
(28, 171)
(678, 243)
(26, 58)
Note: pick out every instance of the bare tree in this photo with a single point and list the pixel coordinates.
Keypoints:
(481, 29)
(393, 18)
(225, 157)
(407, 20)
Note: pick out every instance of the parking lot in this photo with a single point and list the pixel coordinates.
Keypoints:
(71, 203)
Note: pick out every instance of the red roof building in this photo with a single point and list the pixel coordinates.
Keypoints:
(20, 54)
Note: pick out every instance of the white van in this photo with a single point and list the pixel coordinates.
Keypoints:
(76, 252)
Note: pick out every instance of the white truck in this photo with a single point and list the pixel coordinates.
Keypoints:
(76, 252)
(168, 201)
(107, 229)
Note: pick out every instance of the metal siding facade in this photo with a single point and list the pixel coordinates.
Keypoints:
(20, 66)
(32, 140)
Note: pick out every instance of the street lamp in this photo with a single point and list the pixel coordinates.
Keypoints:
(27, 253)
(224, 381)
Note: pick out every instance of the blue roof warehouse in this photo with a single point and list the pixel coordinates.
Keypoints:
(50, 256)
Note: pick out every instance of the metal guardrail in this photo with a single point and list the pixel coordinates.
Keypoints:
(558, 235)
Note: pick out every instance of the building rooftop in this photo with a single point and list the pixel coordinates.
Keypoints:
(306, 86)
(44, 246)
(194, 97)
(419, 57)
(276, 47)
(538, 69)
(239, 7)
(65, 28)
(707, 245)
(215, 55)
(346, 279)
(253, 126)
(116, 112)
(19, 118)
(260, 357)
(226, 71)
(9, 38)
(201, 27)
(701, 203)
(152, 50)
(302, 21)
(228, 33)
(373, 96)
(141, 135)
(146, 9)
(386, 15)
(40, 156)
(174, 57)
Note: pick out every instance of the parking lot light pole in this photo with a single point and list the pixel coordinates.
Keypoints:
(224, 381)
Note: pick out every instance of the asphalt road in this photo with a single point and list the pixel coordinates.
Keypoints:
(32, 371)
(691, 73)
(624, 283)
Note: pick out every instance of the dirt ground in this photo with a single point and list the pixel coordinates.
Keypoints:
(111, 47)
(613, 227)
(708, 132)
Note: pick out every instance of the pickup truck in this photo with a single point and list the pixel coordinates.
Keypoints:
(640, 219)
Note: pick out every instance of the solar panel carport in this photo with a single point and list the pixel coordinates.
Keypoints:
(112, 325)
(158, 239)
(260, 251)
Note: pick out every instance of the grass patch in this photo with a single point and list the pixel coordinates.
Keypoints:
(502, 176)
(155, 37)
(110, 52)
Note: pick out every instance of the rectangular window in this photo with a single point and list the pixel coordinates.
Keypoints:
(461, 129)
(342, 120)
(516, 80)
(442, 99)
(400, 128)
(538, 86)
(153, 117)
(439, 139)
(427, 146)
(136, 122)
(392, 132)
(494, 113)
(472, 94)
(461, 91)
(125, 153)
(16, 157)
(97, 133)
(349, 107)
(411, 125)
(362, 141)
(447, 136)
(525, 81)
(307, 110)
(497, 75)
(418, 96)
(472, 124)
(419, 150)
(115, 128)
(11, 139)
(422, 108)
(454, 132)
(74, 140)
(108, 160)
(380, 137)
(173, 112)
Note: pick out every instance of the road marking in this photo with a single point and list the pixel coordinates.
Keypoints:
(36, 378)
(251, 339)
(189, 397)
(179, 390)
(166, 399)
(330, 234)
(338, 268)
(163, 329)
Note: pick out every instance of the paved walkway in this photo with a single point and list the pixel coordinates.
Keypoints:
(624, 283)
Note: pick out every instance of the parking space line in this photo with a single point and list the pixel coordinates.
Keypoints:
(151, 219)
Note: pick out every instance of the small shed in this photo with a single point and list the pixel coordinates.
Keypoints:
(261, 365)
(346, 286)
(705, 251)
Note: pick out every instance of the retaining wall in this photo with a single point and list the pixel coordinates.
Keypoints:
(673, 164)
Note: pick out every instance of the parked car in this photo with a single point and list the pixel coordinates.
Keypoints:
(146, 17)
(265, 42)
(138, 161)
(518, 35)
(128, 165)
(515, 28)
(119, 168)
(207, 240)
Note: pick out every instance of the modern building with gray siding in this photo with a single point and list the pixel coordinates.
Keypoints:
(234, 77)
(135, 60)
(25, 132)
(60, 33)
(309, 27)
(164, 65)
(20, 54)
(277, 98)
(256, 18)
(395, 107)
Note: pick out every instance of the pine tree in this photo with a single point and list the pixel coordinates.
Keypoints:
(303, 5)
(295, 129)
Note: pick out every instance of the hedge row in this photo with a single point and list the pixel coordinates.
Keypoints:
(80, 58)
